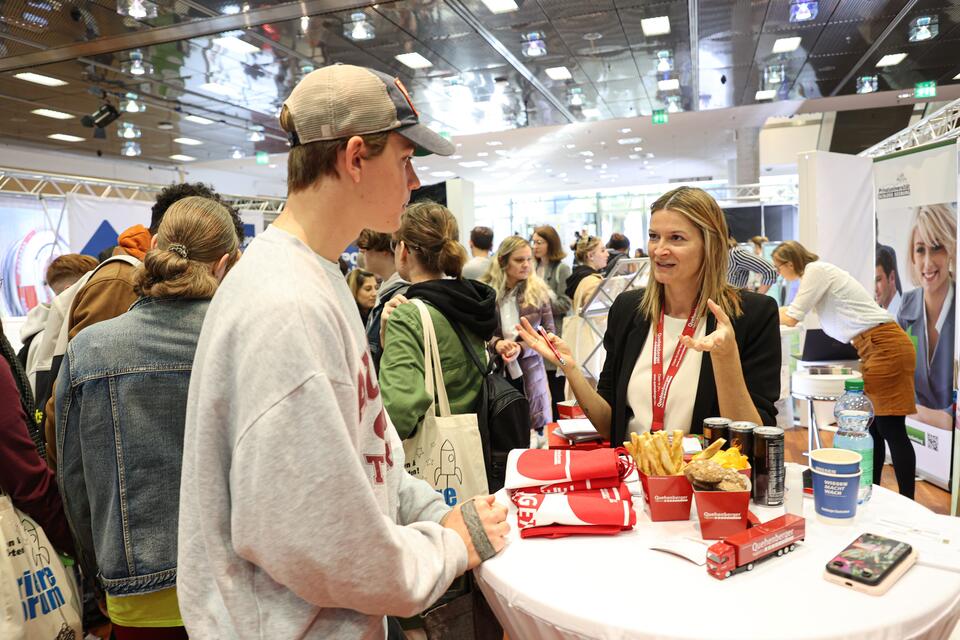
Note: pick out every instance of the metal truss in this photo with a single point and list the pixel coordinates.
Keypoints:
(53, 185)
(784, 192)
(941, 125)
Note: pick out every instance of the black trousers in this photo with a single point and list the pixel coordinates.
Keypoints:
(893, 431)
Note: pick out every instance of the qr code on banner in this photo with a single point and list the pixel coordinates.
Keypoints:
(932, 442)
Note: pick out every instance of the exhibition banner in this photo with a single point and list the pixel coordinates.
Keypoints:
(252, 225)
(29, 241)
(916, 259)
(96, 223)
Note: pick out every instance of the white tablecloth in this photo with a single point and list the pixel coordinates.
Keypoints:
(616, 587)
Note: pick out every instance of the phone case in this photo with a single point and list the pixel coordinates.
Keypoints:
(883, 584)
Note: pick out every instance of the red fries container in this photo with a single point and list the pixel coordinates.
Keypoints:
(667, 497)
(722, 513)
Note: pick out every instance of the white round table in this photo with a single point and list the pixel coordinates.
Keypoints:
(614, 587)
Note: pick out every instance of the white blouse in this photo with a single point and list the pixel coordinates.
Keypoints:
(683, 391)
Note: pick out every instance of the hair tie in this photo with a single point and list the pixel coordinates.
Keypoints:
(178, 249)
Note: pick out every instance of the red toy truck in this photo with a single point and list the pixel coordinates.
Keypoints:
(741, 551)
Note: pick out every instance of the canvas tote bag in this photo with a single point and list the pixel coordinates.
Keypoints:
(445, 450)
(38, 595)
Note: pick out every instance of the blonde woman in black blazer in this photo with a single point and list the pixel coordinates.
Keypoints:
(730, 338)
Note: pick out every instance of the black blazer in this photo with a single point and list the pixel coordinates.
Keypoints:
(758, 338)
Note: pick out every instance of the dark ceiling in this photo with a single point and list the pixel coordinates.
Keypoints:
(480, 80)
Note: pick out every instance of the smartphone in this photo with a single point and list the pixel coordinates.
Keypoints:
(871, 564)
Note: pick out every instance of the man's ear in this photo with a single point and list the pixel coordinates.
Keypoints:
(352, 158)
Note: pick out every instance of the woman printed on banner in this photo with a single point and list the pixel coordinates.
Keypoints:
(928, 312)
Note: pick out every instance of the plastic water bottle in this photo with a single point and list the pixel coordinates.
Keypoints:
(854, 413)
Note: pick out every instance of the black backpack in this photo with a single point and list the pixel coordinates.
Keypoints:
(503, 414)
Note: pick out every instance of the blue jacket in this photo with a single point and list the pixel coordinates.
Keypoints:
(934, 376)
(120, 423)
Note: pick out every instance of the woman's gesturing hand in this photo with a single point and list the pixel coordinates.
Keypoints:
(722, 342)
(536, 342)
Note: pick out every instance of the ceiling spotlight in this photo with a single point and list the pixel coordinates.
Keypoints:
(766, 94)
(359, 28)
(128, 131)
(803, 10)
(50, 113)
(673, 104)
(304, 24)
(100, 118)
(534, 45)
(131, 148)
(136, 66)
(191, 142)
(576, 97)
(65, 137)
(891, 59)
(664, 61)
(256, 133)
(237, 154)
(558, 73)
(37, 78)
(473, 164)
(629, 140)
(671, 84)
(773, 74)
(137, 9)
(786, 45)
(130, 104)
(501, 6)
(924, 28)
(867, 84)
(659, 26)
(181, 157)
(198, 119)
(413, 60)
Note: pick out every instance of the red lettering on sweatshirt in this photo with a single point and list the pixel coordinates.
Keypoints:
(368, 392)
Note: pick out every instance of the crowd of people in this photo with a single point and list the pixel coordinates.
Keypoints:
(219, 439)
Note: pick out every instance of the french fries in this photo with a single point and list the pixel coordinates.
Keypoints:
(655, 453)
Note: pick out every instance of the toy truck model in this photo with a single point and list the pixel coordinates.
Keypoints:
(741, 551)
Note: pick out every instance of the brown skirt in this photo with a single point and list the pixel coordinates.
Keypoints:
(889, 361)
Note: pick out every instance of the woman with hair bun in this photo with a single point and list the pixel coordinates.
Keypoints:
(121, 409)
(429, 256)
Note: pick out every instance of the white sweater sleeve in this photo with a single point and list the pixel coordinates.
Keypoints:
(814, 284)
(362, 560)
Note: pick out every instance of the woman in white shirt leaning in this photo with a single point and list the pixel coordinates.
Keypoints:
(848, 313)
(689, 346)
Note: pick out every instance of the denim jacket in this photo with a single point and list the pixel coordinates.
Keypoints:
(120, 423)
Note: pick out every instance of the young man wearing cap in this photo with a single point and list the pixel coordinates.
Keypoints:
(297, 519)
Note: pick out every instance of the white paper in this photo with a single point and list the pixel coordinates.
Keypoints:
(688, 548)
(578, 427)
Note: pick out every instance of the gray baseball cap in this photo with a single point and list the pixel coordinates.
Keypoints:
(341, 100)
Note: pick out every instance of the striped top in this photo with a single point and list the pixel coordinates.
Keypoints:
(743, 263)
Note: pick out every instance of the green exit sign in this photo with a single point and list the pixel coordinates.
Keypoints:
(925, 89)
(660, 116)
(263, 157)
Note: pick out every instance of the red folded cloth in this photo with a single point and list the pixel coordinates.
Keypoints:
(595, 511)
(541, 467)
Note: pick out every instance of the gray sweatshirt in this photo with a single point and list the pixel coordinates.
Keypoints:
(297, 519)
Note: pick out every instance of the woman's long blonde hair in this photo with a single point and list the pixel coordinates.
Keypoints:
(195, 233)
(935, 226)
(536, 292)
(707, 216)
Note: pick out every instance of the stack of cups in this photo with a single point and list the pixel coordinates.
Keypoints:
(836, 480)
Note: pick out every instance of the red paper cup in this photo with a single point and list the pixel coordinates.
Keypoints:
(722, 513)
(667, 497)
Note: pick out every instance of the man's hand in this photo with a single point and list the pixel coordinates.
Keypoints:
(493, 518)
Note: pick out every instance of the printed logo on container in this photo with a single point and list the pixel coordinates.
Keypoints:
(671, 498)
(773, 541)
(721, 515)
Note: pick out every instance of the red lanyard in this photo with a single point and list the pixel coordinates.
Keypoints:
(661, 383)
